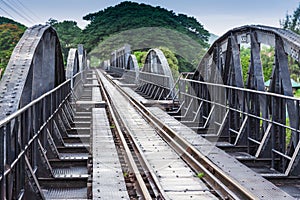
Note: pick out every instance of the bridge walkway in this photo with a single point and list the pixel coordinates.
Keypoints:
(176, 179)
(72, 140)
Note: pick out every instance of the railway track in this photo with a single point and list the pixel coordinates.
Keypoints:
(173, 167)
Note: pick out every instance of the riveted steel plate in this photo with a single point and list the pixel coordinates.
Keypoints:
(70, 172)
(66, 193)
(191, 195)
(108, 179)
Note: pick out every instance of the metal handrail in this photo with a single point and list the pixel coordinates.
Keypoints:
(245, 113)
(23, 109)
(243, 89)
(24, 132)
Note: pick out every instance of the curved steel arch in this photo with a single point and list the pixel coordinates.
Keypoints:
(82, 57)
(223, 56)
(157, 63)
(132, 63)
(222, 64)
(72, 63)
(132, 69)
(35, 67)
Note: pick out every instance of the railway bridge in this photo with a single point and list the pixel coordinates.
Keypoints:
(120, 132)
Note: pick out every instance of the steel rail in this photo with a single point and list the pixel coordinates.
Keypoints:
(227, 187)
(128, 154)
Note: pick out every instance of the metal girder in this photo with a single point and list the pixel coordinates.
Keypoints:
(131, 74)
(255, 119)
(72, 63)
(156, 63)
(156, 71)
(119, 58)
(236, 67)
(82, 58)
(256, 104)
(35, 67)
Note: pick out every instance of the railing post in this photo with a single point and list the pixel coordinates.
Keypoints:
(2, 163)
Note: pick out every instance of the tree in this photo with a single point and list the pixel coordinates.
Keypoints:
(129, 15)
(292, 22)
(68, 33)
(172, 61)
(187, 51)
(267, 60)
(140, 57)
(10, 34)
(245, 61)
(170, 56)
(4, 20)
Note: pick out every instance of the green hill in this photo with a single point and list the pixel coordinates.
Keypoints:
(128, 15)
(140, 25)
(144, 27)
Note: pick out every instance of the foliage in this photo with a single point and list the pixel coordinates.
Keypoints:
(288, 133)
(143, 39)
(170, 56)
(10, 34)
(297, 93)
(140, 25)
(140, 57)
(68, 33)
(294, 70)
(128, 16)
(185, 65)
(292, 22)
(4, 20)
(200, 175)
(245, 61)
(267, 60)
(172, 61)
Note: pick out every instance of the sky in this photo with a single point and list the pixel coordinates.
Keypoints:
(217, 16)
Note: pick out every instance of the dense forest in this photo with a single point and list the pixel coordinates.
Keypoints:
(69, 35)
